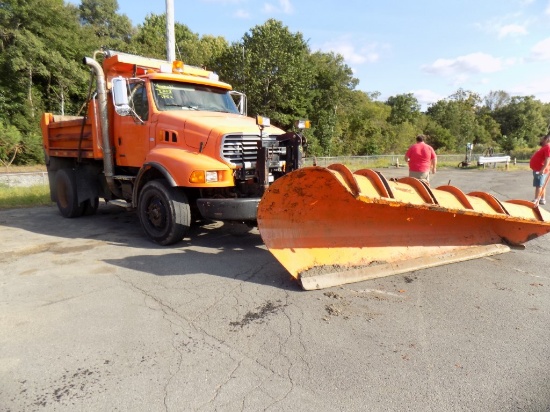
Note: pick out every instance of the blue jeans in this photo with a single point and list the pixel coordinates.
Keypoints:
(538, 179)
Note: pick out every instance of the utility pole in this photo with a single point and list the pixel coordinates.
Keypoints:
(170, 32)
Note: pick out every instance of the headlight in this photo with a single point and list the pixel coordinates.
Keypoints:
(211, 177)
(201, 176)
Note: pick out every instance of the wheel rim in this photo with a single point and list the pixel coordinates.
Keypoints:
(62, 196)
(156, 213)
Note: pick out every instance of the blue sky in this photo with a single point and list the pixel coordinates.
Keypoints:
(430, 48)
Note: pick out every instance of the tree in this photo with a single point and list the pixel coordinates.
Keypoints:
(150, 39)
(364, 125)
(271, 65)
(440, 138)
(112, 30)
(458, 114)
(496, 100)
(190, 48)
(11, 144)
(332, 84)
(40, 62)
(404, 108)
(523, 119)
(203, 51)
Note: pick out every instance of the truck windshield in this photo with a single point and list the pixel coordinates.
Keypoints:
(170, 95)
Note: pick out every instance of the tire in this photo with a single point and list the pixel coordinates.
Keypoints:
(164, 212)
(66, 194)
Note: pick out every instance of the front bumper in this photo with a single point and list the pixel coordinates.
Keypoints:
(229, 209)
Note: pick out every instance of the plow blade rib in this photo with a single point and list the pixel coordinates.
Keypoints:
(328, 226)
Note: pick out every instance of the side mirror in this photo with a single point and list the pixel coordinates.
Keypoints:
(240, 100)
(120, 96)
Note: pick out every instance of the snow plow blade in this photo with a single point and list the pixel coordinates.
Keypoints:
(329, 226)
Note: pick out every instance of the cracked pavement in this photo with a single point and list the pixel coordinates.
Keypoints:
(95, 317)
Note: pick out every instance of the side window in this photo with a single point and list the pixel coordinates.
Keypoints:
(138, 101)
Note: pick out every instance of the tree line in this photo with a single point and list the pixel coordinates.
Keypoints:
(42, 43)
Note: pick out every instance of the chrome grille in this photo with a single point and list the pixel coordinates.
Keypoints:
(238, 148)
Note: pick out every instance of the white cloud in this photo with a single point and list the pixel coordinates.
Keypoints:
(541, 50)
(242, 14)
(462, 66)
(509, 25)
(511, 30)
(282, 6)
(352, 55)
(547, 11)
(426, 97)
(286, 6)
(539, 87)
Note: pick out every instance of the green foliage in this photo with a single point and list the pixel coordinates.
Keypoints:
(10, 144)
(522, 119)
(496, 100)
(439, 137)
(12, 197)
(271, 65)
(511, 143)
(42, 43)
(112, 30)
(522, 153)
(404, 108)
(150, 40)
(39, 64)
(332, 84)
(364, 124)
(458, 115)
(399, 137)
(204, 51)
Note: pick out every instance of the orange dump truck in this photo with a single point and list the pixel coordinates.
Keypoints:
(170, 140)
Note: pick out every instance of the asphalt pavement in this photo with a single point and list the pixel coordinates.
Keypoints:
(94, 317)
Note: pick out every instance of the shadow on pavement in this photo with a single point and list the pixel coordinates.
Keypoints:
(226, 250)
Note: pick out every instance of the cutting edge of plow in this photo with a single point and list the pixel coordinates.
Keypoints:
(327, 280)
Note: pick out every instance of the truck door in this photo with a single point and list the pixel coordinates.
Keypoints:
(132, 132)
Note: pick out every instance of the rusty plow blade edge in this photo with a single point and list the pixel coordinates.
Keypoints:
(329, 226)
(327, 280)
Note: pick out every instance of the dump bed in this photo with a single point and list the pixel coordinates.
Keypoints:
(70, 136)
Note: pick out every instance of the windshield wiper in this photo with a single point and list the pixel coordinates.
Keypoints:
(181, 107)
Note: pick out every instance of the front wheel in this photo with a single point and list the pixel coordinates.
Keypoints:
(164, 212)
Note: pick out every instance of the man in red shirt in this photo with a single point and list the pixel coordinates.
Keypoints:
(539, 164)
(421, 158)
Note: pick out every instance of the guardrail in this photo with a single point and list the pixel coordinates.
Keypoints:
(484, 160)
(24, 179)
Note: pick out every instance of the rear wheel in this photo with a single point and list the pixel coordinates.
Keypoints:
(164, 212)
(66, 194)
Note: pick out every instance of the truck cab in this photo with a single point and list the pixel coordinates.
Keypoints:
(168, 140)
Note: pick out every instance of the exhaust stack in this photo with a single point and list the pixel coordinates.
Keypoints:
(108, 165)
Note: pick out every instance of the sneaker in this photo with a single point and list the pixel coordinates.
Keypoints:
(542, 201)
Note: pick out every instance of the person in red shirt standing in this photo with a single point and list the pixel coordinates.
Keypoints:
(539, 164)
(421, 158)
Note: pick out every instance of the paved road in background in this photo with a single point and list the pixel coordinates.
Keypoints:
(93, 317)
